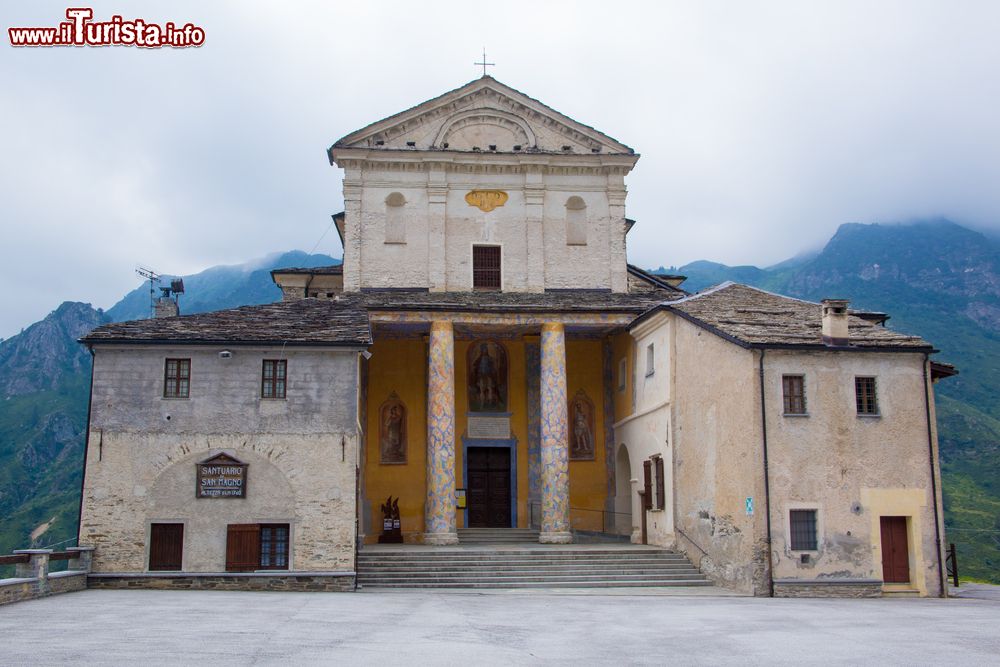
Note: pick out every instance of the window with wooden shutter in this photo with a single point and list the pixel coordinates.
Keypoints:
(243, 547)
(794, 390)
(176, 378)
(486, 267)
(661, 485)
(166, 546)
(647, 484)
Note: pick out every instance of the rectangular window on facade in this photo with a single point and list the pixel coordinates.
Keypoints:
(865, 396)
(650, 360)
(661, 483)
(166, 546)
(272, 383)
(255, 546)
(622, 374)
(486, 267)
(803, 529)
(176, 378)
(794, 389)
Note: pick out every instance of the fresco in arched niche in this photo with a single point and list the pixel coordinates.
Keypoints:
(392, 431)
(581, 431)
(487, 371)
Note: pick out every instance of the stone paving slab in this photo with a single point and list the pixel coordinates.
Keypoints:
(239, 628)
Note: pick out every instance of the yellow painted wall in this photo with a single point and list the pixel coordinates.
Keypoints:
(587, 479)
(400, 366)
(622, 347)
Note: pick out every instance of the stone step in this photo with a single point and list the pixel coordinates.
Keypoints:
(542, 584)
(527, 578)
(539, 567)
(522, 559)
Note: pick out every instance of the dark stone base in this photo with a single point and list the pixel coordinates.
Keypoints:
(827, 588)
(227, 582)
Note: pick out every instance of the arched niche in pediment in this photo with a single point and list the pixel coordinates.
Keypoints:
(482, 128)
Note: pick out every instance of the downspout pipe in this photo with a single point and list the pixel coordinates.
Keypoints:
(767, 480)
(86, 443)
(930, 458)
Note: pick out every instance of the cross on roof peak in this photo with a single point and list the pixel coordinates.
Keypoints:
(485, 64)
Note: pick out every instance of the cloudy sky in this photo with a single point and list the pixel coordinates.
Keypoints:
(762, 125)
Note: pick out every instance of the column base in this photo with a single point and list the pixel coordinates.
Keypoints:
(441, 539)
(555, 538)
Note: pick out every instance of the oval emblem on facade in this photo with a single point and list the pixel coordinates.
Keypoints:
(486, 200)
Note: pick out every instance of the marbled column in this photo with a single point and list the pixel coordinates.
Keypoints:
(554, 437)
(439, 510)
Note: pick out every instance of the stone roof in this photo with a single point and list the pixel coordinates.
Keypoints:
(343, 320)
(299, 322)
(335, 270)
(559, 301)
(755, 318)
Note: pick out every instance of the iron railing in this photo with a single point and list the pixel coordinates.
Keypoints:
(586, 520)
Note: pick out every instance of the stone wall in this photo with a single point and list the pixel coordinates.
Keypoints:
(293, 581)
(828, 588)
(301, 453)
(32, 578)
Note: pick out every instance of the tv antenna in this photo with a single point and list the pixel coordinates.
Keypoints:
(153, 277)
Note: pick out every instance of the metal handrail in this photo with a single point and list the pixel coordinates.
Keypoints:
(688, 538)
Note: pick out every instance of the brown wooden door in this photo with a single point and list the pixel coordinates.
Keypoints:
(489, 490)
(166, 546)
(895, 552)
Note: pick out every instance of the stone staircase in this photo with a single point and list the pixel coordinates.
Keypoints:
(523, 565)
(497, 536)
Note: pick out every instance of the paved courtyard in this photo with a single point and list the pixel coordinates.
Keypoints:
(396, 628)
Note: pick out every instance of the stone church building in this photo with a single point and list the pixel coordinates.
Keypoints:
(487, 359)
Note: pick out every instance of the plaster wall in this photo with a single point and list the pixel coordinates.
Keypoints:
(718, 458)
(530, 228)
(301, 451)
(852, 469)
(645, 430)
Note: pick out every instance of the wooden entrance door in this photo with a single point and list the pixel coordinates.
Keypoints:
(895, 552)
(489, 487)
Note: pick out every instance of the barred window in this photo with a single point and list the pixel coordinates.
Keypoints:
(486, 267)
(274, 547)
(272, 383)
(803, 529)
(176, 378)
(865, 396)
(794, 389)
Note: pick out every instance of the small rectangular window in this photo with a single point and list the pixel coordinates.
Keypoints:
(793, 387)
(622, 373)
(486, 267)
(803, 529)
(865, 396)
(650, 360)
(274, 547)
(176, 378)
(272, 383)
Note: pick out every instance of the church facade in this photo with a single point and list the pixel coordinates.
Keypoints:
(486, 357)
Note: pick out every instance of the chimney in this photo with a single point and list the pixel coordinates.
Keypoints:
(165, 306)
(835, 322)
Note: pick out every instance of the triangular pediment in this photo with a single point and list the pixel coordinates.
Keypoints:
(221, 459)
(483, 115)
